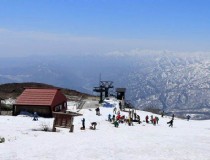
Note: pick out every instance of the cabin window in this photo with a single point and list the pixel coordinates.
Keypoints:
(58, 108)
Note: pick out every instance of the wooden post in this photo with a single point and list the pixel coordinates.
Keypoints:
(72, 128)
(71, 124)
(54, 129)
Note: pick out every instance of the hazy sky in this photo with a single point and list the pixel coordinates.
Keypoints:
(100, 26)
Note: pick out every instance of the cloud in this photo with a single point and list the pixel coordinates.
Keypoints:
(141, 52)
(27, 43)
(23, 43)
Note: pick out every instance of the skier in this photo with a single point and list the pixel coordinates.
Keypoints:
(83, 124)
(114, 110)
(129, 113)
(173, 116)
(130, 121)
(35, 117)
(138, 118)
(109, 118)
(132, 113)
(154, 121)
(116, 124)
(120, 105)
(113, 118)
(157, 119)
(134, 116)
(188, 117)
(162, 114)
(98, 111)
(118, 117)
(151, 119)
(171, 122)
(147, 119)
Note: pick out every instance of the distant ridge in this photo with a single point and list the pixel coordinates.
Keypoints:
(12, 90)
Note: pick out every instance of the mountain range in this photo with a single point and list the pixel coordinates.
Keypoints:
(178, 83)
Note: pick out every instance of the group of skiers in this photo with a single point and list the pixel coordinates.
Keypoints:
(133, 117)
(154, 120)
(117, 118)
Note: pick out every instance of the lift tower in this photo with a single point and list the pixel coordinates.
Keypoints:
(100, 90)
(103, 88)
(106, 85)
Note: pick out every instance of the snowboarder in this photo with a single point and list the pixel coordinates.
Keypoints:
(188, 117)
(35, 117)
(171, 122)
(93, 125)
(83, 124)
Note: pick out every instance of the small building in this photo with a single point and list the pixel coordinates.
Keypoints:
(41, 101)
(120, 93)
(64, 120)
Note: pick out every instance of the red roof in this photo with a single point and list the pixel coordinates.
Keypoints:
(43, 97)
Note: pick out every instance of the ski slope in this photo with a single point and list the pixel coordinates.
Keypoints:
(187, 140)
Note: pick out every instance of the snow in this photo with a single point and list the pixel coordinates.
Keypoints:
(9, 101)
(72, 105)
(187, 140)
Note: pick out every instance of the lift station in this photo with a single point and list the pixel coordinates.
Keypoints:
(103, 88)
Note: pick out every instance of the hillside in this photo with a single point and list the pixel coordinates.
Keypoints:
(12, 90)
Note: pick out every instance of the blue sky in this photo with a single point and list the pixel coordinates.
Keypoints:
(179, 25)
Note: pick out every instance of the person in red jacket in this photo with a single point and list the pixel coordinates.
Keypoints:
(118, 117)
(154, 121)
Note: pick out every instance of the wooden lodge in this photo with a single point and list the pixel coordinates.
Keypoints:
(41, 101)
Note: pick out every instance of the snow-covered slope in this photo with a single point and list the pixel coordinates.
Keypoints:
(187, 140)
